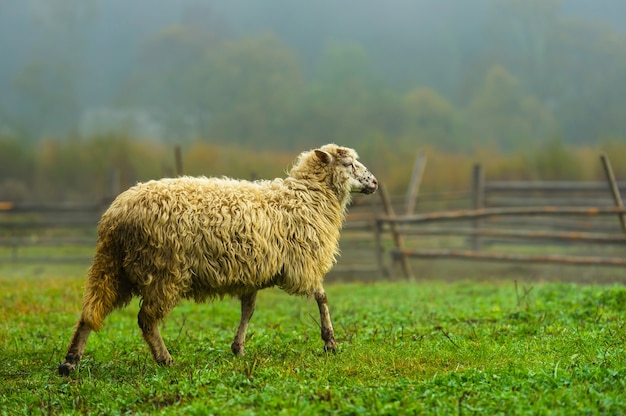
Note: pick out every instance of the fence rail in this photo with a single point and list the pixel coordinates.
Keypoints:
(490, 212)
(402, 254)
(48, 233)
(510, 257)
(537, 222)
(501, 212)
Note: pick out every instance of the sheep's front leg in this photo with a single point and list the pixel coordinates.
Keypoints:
(248, 303)
(328, 334)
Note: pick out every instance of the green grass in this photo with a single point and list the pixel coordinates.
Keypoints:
(404, 348)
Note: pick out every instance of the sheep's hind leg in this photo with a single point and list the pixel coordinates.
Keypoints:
(248, 303)
(76, 348)
(328, 334)
(149, 325)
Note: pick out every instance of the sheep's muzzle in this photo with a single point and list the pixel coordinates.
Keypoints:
(370, 187)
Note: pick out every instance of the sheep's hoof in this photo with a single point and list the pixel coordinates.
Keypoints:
(237, 349)
(330, 348)
(166, 362)
(65, 369)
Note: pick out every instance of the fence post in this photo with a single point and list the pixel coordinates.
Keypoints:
(378, 235)
(608, 170)
(378, 239)
(397, 238)
(114, 182)
(178, 160)
(478, 200)
(416, 180)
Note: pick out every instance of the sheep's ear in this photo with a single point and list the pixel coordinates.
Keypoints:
(323, 156)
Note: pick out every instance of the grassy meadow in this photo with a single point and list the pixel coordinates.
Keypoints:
(465, 347)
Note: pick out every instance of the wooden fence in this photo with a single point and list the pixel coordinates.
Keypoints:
(28, 232)
(530, 222)
(534, 222)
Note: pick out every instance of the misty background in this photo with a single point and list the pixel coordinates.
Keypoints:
(284, 75)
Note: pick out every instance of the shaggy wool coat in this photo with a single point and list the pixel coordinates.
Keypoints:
(201, 238)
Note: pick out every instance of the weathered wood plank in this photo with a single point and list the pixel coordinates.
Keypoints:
(574, 236)
(510, 257)
(606, 163)
(488, 212)
(548, 186)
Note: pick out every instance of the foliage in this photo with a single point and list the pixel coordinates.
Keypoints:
(229, 90)
(84, 169)
(252, 86)
(430, 347)
(346, 100)
(209, 160)
(161, 82)
(16, 164)
(503, 115)
(616, 150)
(572, 65)
(430, 118)
(97, 167)
(503, 73)
(553, 161)
(46, 89)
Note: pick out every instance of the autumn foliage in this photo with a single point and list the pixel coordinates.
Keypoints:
(93, 168)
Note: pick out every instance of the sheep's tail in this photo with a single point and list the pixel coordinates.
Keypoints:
(103, 287)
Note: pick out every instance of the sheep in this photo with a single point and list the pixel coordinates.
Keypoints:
(205, 238)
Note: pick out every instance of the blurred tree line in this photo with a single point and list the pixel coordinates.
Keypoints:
(98, 167)
(538, 76)
(520, 80)
(457, 75)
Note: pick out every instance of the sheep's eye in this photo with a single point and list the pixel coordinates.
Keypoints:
(348, 164)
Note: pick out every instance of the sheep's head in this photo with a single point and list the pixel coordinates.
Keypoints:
(338, 168)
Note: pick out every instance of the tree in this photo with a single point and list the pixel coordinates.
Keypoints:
(573, 66)
(165, 80)
(430, 118)
(589, 64)
(347, 101)
(47, 91)
(553, 160)
(16, 168)
(238, 91)
(519, 32)
(503, 114)
(251, 87)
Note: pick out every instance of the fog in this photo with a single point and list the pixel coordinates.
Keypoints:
(279, 73)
